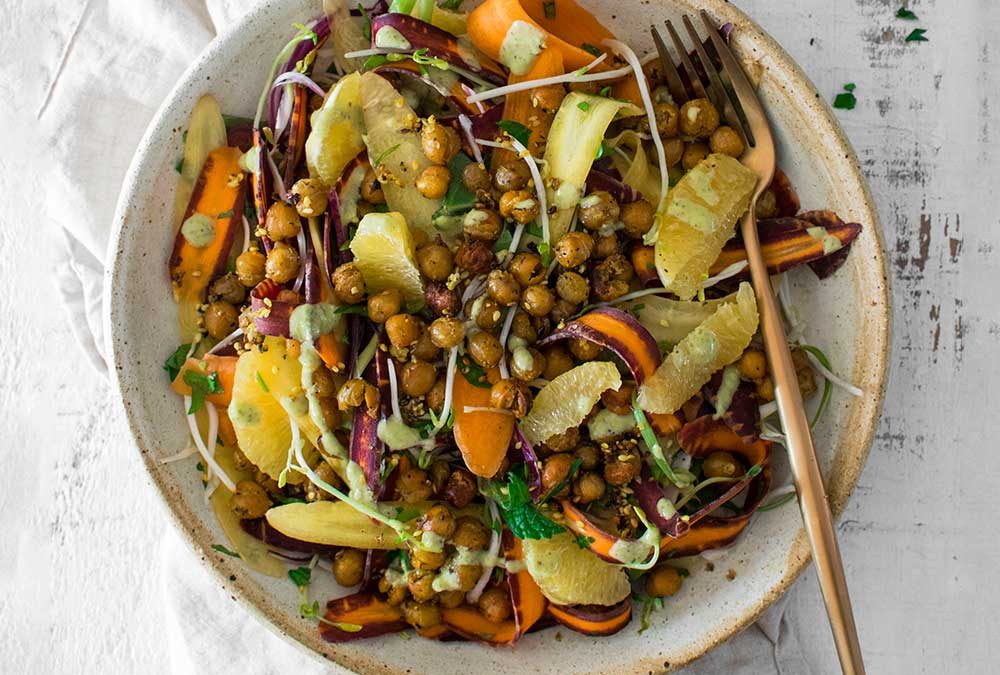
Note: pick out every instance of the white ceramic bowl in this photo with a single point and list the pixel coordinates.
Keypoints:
(847, 315)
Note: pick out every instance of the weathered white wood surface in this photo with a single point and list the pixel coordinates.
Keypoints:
(79, 556)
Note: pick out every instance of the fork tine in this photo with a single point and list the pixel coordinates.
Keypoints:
(745, 100)
(715, 87)
(692, 74)
(674, 82)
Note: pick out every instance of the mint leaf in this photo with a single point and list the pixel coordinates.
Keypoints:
(175, 361)
(516, 130)
(459, 198)
(201, 386)
(522, 517)
(300, 576)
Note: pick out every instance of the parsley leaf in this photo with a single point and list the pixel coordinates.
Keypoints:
(535, 230)
(583, 541)
(175, 361)
(516, 130)
(917, 35)
(904, 13)
(503, 242)
(222, 549)
(545, 252)
(473, 373)
(201, 386)
(300, 576)
(522, 516)
(846, 99)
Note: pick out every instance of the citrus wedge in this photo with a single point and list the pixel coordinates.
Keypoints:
(265, 379)
(716, 342)
(570, 575)
(383, 251)
(335, 136)
(568, 399)
(699, 217)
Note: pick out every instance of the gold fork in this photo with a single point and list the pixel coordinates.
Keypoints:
(738, 103)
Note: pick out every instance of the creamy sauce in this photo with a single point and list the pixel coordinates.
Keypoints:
(831, 244)
(308, 322)
(390, 38)
(589, 201)
(394, 433)
(475, 217)
(730, 383)
(665, 508)
(199, 230)
(637, 551)
(606, 424)
(521, 46)
(566, 196)
(243, 414)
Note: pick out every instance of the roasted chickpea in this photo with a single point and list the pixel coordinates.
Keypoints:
(413, 486)
(554, 471)
(588, 455)
(767, 205)
(606, 246)
(482, 225)
(250, 500)
(485, 349)
(228, 288)
(511, 394)
(282, 222)
(667, 118)
(619, 402)
(451, 599)
(282, 263)
(511, 175)
(527, 268)
(435, 261)
(475, 257)
(356, 392)
(610, 279)
(435, 401)
(565, 441)
(726, 141)
(752, 365)
(765, 389)
(424, 348)
(439, 142)
(441, 300)
(637, 217)
(371, 188)
(394, 595)
(433, 182)
(310, 197)
(468, 576)
(563, 310)
(673, 151)
(574, 248)
(439, 520)
(495, 605)
(421, 584)
(421, 614)
(597, 210)
(348, 566)
(403, 330)
(537, 300)
(471, 534)
(460, 488)
(331, 412)
(417, 378)
(588, 487)
(557, 361)
(348, 284)
(501, 286)
(644, 262)
(250, 267)
(527, 364)
(486, 312)
(519, 205)
(699, 118)
(384, 304)
(322, 383)
(446, 332)
(693, 154)
(325, 473)
(721, 464)
(424, 559)
(572, 287)
(522, 327)
(220, 319)
(584, 350)
(476, 178)
(663, 581)
(622, 468)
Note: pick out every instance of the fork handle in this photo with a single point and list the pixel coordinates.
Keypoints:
(802, 457)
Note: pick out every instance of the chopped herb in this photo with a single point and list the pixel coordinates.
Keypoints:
(781, 501)
(583, 541)
(200, 467)
(648, 605)
(367, 29)
(385, 153)
(549, 7)
(300, 576)
(360, 308)
(374, 61)
(521, 515)
(755, 470)
(450, 4)
(282, 499)
(846, 99)
(503, 242)
(605, 92)
(904, 13)
(917, 35)
(422, 57)
(459, 198)
(226, 214)
(824, 400)
(179, 166)
(404, 514)
(382, 208)
(591, 49)
(473, 373)
(545, 252)
(175, 361)
(222, 549)
(583, 105)
(516, 130)
(535, 230)
(201, 386)
(261, 382)
(307, 33)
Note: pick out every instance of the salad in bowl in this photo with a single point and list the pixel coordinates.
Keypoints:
(467, 324)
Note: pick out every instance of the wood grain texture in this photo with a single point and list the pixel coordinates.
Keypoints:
(79, 588)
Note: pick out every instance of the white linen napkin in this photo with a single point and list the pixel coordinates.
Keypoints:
(120, 59)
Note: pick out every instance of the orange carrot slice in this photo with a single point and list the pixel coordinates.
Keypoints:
(224, 366)
(482, 436)
(522, 106)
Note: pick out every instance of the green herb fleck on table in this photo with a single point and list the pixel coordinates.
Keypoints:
(904, 13)
(846, 99)
(917, 35)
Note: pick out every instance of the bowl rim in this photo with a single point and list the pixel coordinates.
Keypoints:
(842, 158)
